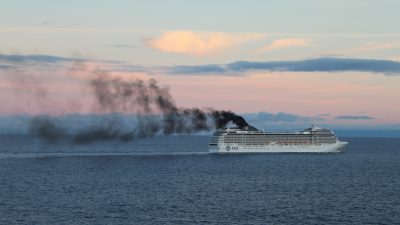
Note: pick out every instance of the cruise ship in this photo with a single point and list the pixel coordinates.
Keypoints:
(252, 140)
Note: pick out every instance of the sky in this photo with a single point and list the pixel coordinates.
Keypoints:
(328, 62)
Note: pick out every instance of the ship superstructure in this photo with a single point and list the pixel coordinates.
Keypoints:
(249, 139)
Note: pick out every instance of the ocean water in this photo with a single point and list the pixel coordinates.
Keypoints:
(173, 180)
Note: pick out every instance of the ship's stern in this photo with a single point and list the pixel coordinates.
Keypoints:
(215, 141)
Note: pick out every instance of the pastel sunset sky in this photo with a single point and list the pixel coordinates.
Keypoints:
(336, 61)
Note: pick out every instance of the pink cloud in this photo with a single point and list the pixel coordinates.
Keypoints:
(372, 46)
(366, 48)
(284, 43)
(198, 43)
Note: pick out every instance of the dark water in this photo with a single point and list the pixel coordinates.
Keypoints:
(173, 181)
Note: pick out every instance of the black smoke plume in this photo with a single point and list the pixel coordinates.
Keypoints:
(153, 105)
(45, 128)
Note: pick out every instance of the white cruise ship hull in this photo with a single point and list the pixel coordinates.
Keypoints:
(277, 148)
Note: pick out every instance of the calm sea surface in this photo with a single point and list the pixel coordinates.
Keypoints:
(172, 180)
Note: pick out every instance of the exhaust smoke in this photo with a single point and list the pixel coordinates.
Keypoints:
(153, 105)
